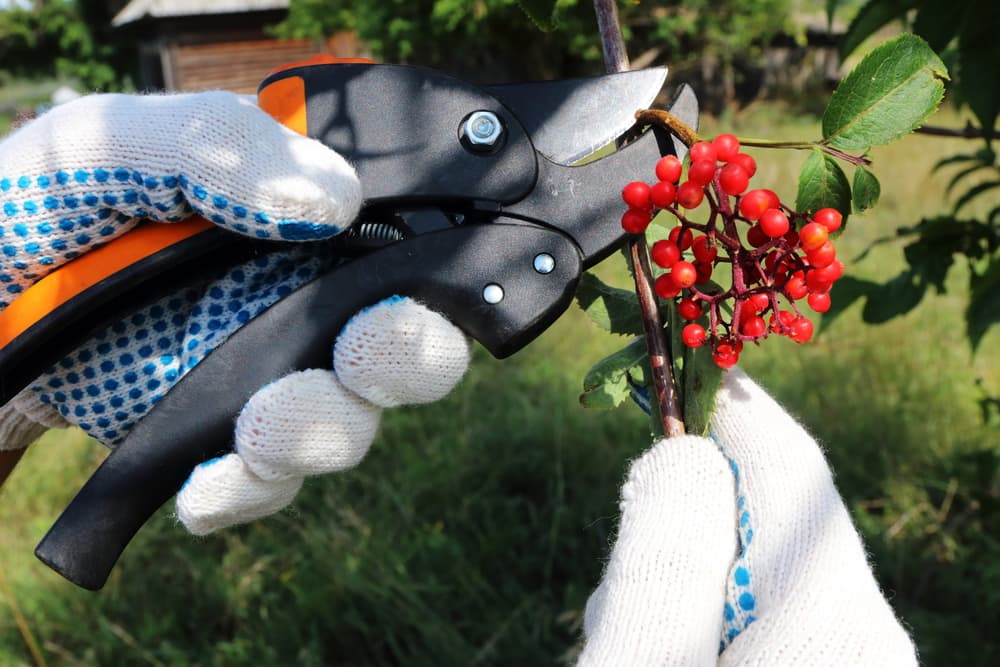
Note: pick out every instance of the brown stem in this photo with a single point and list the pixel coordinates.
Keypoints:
(8, 460)
(670, 122)
(616, 60)
(659, 360)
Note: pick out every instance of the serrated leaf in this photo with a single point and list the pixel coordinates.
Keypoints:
(891, 91)
(866, 190)
(613, 309)
(543, 13)
(614, 366)
(606, 396)
(845, 292)
(896, 297)
(822, 183)
(702, 379)
(978, 55)
(938, 22)
(871, 17)
(984, 303)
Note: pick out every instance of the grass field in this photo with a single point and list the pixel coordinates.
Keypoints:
(477, 527)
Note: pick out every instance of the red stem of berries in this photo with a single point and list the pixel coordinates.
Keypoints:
(776, 256)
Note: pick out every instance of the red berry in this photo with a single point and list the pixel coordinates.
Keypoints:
(669, 169)
(826, 275)
(785, 318)
(690, 195)
(665, 288)
(802, 330)
(703, 250)
(818, 281)
(822, 256)
(820, 301)
(754, 203)
(701, 172)
(725, 356)
(681, 237)
(812, 236)
(759, 302)
(689, 309)
(756, 236)
(683, 274)
(703, 150)
(635, 221)
(734, 179)
(663, 194)
(795, 287)
(665, 253)
(753, 326)
(704, 270)
(693, 335)
(835, 270)
(726, 147)
(636, 195)
(829, 218)
(774, 223)
(747, 162)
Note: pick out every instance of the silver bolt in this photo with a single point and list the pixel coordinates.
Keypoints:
(483, 128)
(544, 263)
(492, 294)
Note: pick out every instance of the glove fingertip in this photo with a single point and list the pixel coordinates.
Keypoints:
(224, 492)
(399, 352)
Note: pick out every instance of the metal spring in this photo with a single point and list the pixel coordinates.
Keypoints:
(380, 231)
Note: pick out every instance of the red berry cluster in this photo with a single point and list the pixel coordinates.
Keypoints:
(777, 256)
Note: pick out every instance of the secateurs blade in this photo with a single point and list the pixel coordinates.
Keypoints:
(474, 206)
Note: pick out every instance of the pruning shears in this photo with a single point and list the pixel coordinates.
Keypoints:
(479, 203)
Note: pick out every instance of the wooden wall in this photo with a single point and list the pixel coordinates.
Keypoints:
(240, 65)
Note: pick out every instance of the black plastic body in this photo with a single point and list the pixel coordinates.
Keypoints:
(399, 127)
(194, 421)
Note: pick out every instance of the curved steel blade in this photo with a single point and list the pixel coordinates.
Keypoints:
(569, 119)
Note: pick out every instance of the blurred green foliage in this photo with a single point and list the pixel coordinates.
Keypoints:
(65, 39)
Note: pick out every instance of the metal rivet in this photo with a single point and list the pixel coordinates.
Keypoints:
(483, 128)
(544, 263)
(492, 293)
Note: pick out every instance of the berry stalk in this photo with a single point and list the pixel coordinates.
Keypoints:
(616, 60)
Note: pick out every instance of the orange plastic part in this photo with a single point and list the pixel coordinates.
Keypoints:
(74, 278)
(285, 99)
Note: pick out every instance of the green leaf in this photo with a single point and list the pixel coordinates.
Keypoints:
(896, 297)
(606, 383)
(938, 22)
(702, 379)
(984, 303)
(866, 189)
(611, 308)
(978, 55)
(543, 13)
(822, 183)
(887, 95)
(871, 17)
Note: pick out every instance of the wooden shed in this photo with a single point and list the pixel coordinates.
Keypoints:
(188, 45)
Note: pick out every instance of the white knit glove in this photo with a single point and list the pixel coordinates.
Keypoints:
(313, 422)
(87, 172)
(739, 553)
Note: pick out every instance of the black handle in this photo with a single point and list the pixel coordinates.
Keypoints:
(446, 270)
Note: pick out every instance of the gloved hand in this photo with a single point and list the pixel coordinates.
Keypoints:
(738, 550)
(87, 172)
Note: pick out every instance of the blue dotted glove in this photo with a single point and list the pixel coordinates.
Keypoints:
(86, 173)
